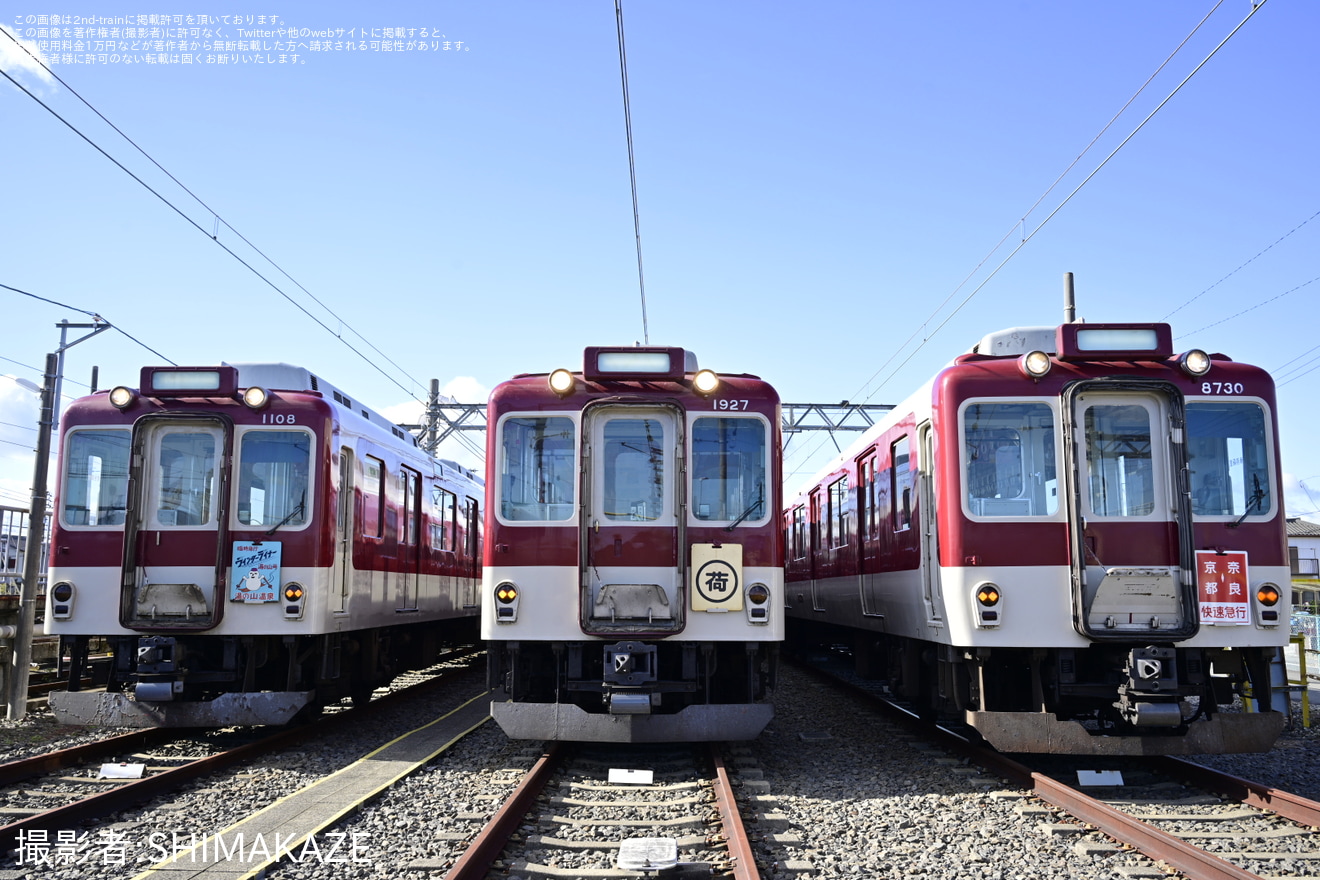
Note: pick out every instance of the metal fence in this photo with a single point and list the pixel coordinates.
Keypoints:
(13, 550)
(1308, 627)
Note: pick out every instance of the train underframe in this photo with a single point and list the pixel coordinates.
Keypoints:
(194, 680)
(1109, 698)
(633, 690)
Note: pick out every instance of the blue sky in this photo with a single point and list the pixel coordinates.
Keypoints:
(820, 188)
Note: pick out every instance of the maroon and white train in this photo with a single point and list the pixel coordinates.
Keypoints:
(1073, 539)
(633, 578)
(251, 543)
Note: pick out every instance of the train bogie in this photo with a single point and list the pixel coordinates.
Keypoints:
(633, 564)
(1071, 539)
(251, 544)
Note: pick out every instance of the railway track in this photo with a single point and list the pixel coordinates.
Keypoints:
(616, 811)
(68, 788)
(1202, 823)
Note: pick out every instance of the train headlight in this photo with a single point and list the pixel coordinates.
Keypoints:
(757, 604)
(122, 396)
(61, 600)
(295, 599)
(988, 604)
(705, 381)
(561, 382)
(256, 397)
(506, 602)
(1194, 362)
(1035, 364)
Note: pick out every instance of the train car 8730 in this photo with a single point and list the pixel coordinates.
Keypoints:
(251, 543)
(1073, 538)
(634, 571)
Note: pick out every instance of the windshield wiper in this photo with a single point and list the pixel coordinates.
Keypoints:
(760, 499)
(1257, 496)
(292, 513)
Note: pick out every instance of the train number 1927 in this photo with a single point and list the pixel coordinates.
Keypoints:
(728, 403)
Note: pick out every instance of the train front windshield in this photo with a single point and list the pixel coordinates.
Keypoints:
(1011, 463)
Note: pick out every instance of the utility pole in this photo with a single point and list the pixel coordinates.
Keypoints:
(27, 621)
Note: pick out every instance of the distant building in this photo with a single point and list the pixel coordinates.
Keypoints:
(1304, 558)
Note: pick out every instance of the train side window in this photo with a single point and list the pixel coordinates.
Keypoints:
(1009, 459)
(838, 501)
(1228, 453)
(473, 519)
(538, 468)
(800, 532)
(444, 519)
(901, 487)
(273, 469)
(96, 477)
(373, 496)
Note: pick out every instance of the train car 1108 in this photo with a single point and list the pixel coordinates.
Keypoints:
(1073, 539)
(252, 544)
(633, 578)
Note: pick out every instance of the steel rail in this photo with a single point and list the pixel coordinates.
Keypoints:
(1273, 800)
(137, 791)
(740, 848)
(478, 859)
(1196, 863)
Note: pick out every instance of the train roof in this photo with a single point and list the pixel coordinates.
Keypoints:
(288, 377)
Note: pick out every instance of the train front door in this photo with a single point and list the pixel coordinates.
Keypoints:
(174, 535)
(1133, 560)
(632, 580)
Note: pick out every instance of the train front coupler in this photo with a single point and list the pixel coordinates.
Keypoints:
(1148, 696)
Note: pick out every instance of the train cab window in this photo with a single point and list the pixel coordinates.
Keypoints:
(96, 477)
(634, 470)
(729, 461)
(185, 470)
(1009, 460)
(1228, 454)
(273, 474)
(1118, 460)
(444, 519)
(538, 469)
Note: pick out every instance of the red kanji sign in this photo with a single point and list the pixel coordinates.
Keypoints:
(1223, 589)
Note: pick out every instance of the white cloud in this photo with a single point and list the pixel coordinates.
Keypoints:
(14, 60)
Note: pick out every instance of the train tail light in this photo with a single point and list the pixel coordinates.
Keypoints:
(61, 600)
(506, 602)
(295, 598)
(989, 604)
(1267, 594)
(758, 604)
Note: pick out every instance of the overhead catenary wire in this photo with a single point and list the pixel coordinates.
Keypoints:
(218, 219)
(632, 166)
(95, 316)
(246, 264)
(865, 395)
